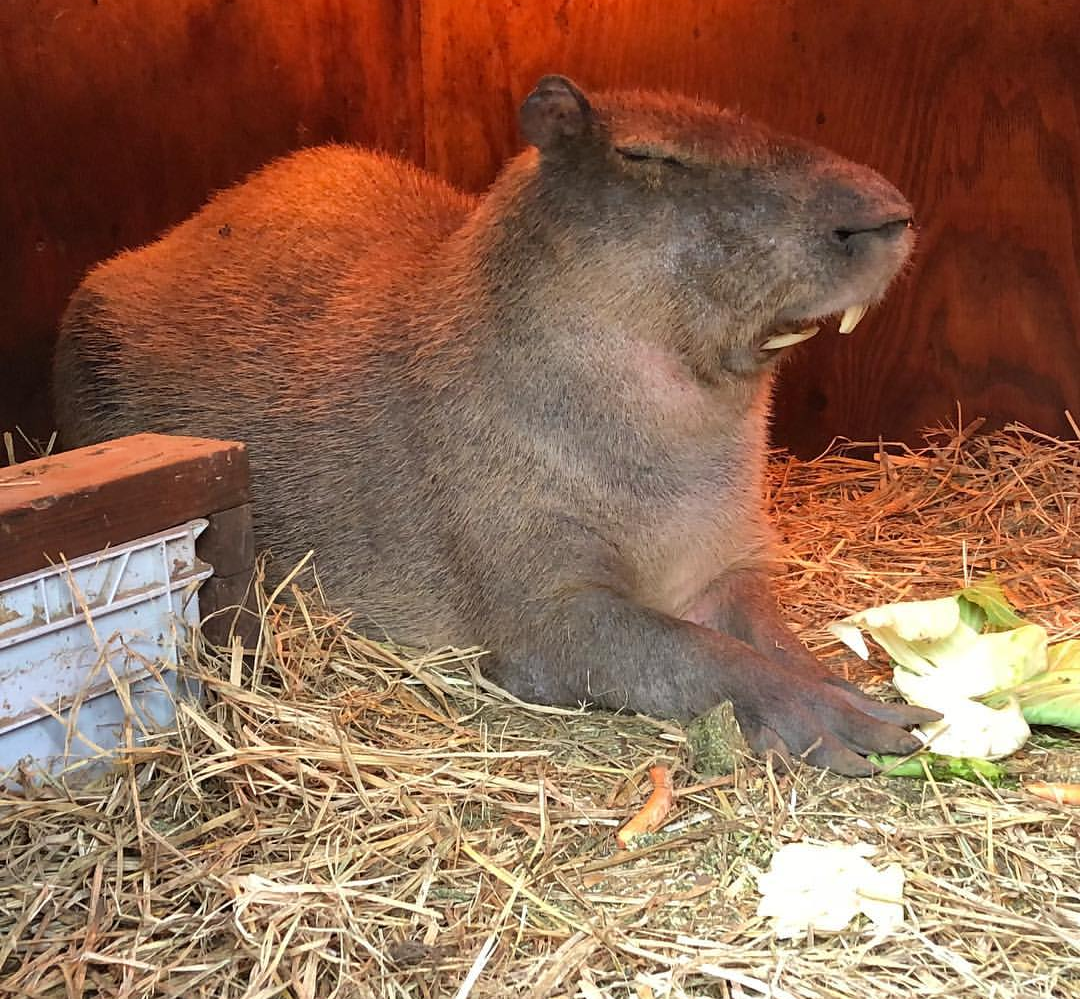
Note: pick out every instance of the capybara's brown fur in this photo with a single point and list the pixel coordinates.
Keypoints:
(534, 420)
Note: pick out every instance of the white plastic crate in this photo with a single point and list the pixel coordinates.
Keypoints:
(73, 636)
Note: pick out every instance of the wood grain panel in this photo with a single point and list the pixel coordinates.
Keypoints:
(971, 108)
(85, 500)
(125, 114)
(120, 117)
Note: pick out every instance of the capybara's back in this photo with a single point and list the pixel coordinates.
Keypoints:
(225, 316)
(252, 321)
(533, 421)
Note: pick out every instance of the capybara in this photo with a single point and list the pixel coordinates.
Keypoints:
(534, 420)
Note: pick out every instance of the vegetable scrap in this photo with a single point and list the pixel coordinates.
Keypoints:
(1062, 794)
(821, 888)
(971, 656)
(653, 813)
(936, 766)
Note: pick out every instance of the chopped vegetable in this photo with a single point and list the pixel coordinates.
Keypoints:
(822, 887)
(971, 729)
(1063, 794)
(1064, 655)
(655, 810)
(1052, 697)
(993, 606)
(971, 657)
(940, 767)
(895, 627)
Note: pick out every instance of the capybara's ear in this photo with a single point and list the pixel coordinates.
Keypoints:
(555, 111)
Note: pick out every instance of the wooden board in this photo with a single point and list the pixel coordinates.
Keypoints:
(225, 599)
(84, 500)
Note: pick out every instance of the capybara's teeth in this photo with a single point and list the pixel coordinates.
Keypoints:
(787, 339)
(851, 317)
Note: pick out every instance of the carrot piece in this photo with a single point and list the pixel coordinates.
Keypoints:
(1063, 794)
(654, 811)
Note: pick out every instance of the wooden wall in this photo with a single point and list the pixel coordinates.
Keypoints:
(121, 115)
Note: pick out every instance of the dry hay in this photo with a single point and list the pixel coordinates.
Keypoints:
(339, 820)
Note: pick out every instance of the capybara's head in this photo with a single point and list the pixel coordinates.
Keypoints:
(735, 239)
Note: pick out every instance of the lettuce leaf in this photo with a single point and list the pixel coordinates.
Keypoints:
(972, 657)
(989, 598)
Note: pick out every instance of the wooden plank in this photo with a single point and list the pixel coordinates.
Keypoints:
(228, 611)
(971, 108)
(121, 118)
(228, 544)
(84, 500)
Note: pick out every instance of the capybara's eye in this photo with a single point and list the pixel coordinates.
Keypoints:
(645, 155)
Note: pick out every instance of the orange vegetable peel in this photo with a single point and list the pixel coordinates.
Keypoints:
(654, 811)
(1063, 794)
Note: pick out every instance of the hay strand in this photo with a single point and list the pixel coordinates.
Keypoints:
(342, 819)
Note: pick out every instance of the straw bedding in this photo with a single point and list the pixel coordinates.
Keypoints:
(342, 819)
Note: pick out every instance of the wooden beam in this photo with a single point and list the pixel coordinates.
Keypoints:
(85, 500)
(226, 603)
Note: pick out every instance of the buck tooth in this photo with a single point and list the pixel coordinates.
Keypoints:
(787, 339)
(851, 317)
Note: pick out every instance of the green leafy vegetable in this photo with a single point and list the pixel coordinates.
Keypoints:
(926, 765)
(989, 597)
(1064, 655)
(1050, 697)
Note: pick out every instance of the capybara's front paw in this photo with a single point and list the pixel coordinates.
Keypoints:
(826, 722)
